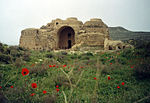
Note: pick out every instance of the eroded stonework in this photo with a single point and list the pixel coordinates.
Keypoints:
(65, 34)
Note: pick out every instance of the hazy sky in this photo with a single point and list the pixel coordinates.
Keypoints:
(16, 15)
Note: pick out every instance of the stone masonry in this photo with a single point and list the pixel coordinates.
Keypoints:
(65, 34)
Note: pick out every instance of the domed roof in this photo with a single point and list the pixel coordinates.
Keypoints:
(72, 18)
(95, 22)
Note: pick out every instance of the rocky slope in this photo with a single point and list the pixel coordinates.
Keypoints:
(120, 33)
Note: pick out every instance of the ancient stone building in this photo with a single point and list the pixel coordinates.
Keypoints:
(64, 34)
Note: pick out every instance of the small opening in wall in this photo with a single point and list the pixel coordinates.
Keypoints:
(123, 47)
(56, 23)
(110, 48)
(37, 31)
(119, 47)
(69, 35)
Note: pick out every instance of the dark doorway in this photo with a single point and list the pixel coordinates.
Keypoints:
(69, 44)
(69, 35)
(66, 37)
(110, 48)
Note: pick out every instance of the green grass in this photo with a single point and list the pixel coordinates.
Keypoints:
(80, 86)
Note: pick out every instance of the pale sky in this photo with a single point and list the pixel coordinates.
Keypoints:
(16, 15)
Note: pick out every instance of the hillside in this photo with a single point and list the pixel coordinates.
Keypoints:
(120, 33)
(49, 77)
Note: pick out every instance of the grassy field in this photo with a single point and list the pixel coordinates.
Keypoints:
(117, 77)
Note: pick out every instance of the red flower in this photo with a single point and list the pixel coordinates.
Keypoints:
(57, 86)
(11, 86)
(25, 71)
(118, 87)
(110, 63)
(54, 65)
(44, 92)
(122, 83)
(50, 66)
(108, 78)
(81, 67)
(34, 85)
(57, 90)
(32, 65)
(95, 78)
(64, 65)
(131, 66)
(32, 94)
(57, 66)
(0, 87)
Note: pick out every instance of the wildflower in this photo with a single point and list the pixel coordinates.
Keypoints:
(0, 87)
(44, 92)
(32, 94)
(32, 65)
(110, 63)
(122, 83)
(25, 71)
(54, 65)
(50, 66)
(64, 65)
(118, 87)
(11, 86)
(34, 85)
(95, 78)
(57, 86)
(57, 90)
(131, 66)
(57, 66)
(109, 78)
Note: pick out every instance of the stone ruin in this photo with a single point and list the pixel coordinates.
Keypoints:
(69, 34)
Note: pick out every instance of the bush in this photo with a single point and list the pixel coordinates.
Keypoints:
(142, 69)
(127, 53)
(26, 56)
(5, 58)
(64, 53)
(49, 55)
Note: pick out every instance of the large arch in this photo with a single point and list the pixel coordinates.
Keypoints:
(66, 37)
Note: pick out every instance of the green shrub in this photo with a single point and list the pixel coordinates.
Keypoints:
(142, 69)
(26, 56)
(64, 53)
(5, 58)
(50, 55)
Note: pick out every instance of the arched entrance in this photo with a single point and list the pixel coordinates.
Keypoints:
(66, 37)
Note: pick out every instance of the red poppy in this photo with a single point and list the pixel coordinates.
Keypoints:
(57, 66)
(32, 94)
(110, 63)
(57, 86)
(11, 86)
(34, 85)
(131, 66)
(95, 78)
(122, 83)
(50, 66)
(64, 65)
(44, 92)
(54, 65)
(108, 78)
(32, 65)
(57, 90)
(118, 87)
(25, 71)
